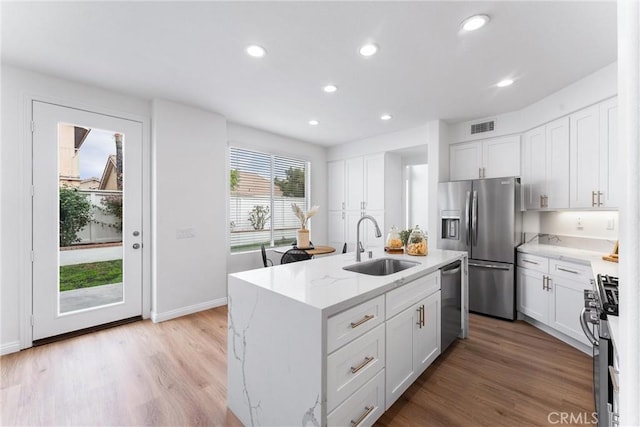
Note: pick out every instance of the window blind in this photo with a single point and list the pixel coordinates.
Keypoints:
(262, 188)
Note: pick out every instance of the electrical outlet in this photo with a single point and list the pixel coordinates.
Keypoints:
(579, 225)
(611, 224)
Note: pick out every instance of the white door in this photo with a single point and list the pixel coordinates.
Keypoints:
(568, 300)
(87, 219)
(374, 183)
(609, 161)
(533, 298)
(354, 187)
(557, 169)
(335, 185)
(400, 353)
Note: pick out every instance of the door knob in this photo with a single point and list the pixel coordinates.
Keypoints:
(136, 233)
(136, 246)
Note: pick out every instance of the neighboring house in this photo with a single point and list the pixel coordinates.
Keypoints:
(252, 184)
(70, 140)
(90, 184)
(109, 179)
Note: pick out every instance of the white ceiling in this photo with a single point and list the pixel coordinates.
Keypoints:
(425, 69)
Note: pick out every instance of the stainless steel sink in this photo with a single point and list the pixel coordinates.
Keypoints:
(381, 266)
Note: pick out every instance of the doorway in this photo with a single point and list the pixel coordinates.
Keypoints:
(87, 219)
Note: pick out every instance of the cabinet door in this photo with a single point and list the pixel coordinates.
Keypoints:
(501, 156)
(354, 188)
(400, 353)
(427, 335)
(557, 164)
(567, 302)
(533, 299)
(534, 168)
(337, 236)
(609, 153)
(374, 183)
(584, 166)
(335, 185)
(465, 161)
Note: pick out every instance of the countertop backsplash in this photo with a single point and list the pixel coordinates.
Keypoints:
(586, 243)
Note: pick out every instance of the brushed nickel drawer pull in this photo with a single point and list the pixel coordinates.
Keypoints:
(530, 262)
(364, 363)
(422, 315)
(367, 411)
(361, 321)
(593, 199)
(568, 271)
(419, 322)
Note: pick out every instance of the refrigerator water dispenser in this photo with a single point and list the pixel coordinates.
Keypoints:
(450, 225)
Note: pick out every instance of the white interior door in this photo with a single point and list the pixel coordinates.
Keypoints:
(87, 219)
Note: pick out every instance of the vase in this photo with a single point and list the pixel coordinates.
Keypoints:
(302, 237)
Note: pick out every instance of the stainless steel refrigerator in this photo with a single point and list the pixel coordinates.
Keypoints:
(483, 217)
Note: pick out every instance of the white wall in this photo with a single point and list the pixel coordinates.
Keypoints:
(418, 195)
(189, 183)
(18, 86)
(591, 89)
(251, 138)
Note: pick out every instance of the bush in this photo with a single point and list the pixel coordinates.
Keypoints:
(112, 205)
(258, 216)
(75, 214)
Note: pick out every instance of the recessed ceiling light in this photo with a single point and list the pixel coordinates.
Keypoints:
(385, 117)
(505, 83)
(368, 49)
(474, 22)
(330, 88)
(314, 122)
(256, 51)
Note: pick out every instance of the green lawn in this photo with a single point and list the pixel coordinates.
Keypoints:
(91, 274)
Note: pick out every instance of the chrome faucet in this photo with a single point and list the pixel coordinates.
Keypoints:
(378, 233)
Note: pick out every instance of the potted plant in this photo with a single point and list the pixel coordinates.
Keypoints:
(302, 235)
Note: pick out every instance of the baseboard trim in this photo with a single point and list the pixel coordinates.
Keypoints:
(10, 347)
(559, 335)
(178, 312)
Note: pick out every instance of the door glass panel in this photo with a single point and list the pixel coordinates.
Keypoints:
(91, 190)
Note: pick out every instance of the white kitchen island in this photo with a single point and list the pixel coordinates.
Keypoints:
(313, 344)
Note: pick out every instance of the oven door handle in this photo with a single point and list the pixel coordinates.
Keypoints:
(585, 328)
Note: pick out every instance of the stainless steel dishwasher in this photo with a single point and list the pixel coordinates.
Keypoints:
(450, 306)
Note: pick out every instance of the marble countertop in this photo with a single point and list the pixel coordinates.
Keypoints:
(598, 265)
(323, 284)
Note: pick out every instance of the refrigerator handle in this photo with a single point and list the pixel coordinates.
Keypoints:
(474, 219)
(466, 216)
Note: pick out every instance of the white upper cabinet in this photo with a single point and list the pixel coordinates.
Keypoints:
(374, 182)
(593, 145)
(545, 161)
(491, 158)
(354, 184)
(465, 161)
(335, 184)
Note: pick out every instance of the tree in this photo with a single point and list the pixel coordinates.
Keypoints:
(293, 184)
(258, 216)
(75, 214)
(233, 179)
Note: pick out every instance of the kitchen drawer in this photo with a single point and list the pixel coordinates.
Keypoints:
(350, 324)
(533, 262)
(363, 407)
(570, 270)
(412, 292)
(353, 365)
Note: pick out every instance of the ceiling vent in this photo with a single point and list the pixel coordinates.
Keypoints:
(487, 126)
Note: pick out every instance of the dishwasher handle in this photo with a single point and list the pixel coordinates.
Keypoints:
(451, 269)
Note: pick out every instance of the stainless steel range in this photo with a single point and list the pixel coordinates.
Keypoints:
(600, 302)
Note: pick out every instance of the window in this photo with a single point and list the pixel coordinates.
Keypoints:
(262, 188)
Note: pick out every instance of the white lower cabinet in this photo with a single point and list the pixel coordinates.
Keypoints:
(413, 342)
(551, 292)
(378, 348)
(363, 408)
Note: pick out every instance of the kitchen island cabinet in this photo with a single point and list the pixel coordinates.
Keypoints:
(308, 341)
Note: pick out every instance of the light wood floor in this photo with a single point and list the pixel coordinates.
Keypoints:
(174, 373)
